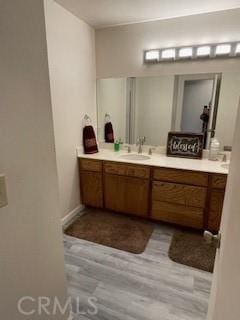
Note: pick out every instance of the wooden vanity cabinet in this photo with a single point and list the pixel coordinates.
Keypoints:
(91, 182)
(126, 188)
(188, 198)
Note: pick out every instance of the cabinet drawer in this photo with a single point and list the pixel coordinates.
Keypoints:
(181, 176)
(127, 170)
(90, 165)
(179, 194)
(218, 181)
(173, 213)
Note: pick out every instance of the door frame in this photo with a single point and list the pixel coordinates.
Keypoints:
(130, 111)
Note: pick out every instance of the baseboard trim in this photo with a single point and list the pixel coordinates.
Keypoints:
(72, 215)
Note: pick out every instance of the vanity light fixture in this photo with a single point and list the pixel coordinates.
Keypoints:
(223, 49)
(203, 51)
(152, 55)
(185, 52)
(168, 54)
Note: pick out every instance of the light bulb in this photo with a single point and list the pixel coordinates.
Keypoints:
(186, 52)
(223, 49)
(168, 54)
(152, 55)
(237, 49)
(203, 51)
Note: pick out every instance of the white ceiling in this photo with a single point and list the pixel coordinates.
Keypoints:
(104, 13)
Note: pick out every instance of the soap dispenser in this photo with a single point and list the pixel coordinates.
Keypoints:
(214, 149)
(117, 145)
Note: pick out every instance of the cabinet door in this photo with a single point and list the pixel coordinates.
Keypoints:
(126, 194)
(91, 188)
(215, 210)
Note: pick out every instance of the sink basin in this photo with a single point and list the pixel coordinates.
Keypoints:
(225, 165)
(138, 157)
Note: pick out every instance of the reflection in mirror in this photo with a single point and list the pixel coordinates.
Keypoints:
(111, 100)
(153, 106)
(228, 108)
(196, 104)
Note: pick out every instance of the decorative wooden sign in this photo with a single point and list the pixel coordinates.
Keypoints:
(185, 145)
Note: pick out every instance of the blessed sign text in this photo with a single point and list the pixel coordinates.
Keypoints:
(185, 145)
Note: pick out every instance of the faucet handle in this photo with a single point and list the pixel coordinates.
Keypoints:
(224, 159)
(224, 156)
(128, 147)
(141, 139)
(151, 150)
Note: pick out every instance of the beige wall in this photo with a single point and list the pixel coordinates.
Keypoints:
(31, 247)
(120, 49)
(71, 52)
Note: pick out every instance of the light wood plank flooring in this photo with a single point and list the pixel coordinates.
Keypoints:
(125, 286)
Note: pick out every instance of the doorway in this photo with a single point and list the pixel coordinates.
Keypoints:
(197, 94)
(196, 104)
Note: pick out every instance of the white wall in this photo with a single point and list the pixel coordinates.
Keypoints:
(227, 109)
(31, 247)
(154, 103)
(111, 99)
(197, 94)
(120, 49)
(224, 301)
(71, 52)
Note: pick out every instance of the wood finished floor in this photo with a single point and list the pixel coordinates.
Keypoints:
(148, 286)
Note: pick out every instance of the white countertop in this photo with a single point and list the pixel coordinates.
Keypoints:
(161, 160)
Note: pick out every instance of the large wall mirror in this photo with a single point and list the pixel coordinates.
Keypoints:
(153, 106)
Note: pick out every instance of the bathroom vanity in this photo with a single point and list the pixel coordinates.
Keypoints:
(180, 191)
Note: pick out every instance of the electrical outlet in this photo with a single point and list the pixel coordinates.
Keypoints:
(3, 192)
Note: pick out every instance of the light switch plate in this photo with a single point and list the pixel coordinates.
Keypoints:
(3, 191)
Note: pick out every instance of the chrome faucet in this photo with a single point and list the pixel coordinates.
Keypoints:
(140, 142)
